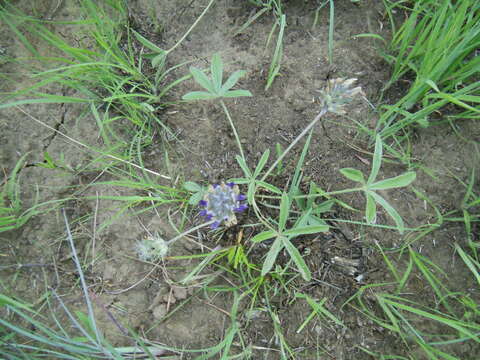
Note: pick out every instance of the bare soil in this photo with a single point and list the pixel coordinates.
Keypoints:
(186, 316)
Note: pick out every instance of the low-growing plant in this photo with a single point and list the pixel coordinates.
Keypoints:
(296, 214)
(124, 91)
(456, 313)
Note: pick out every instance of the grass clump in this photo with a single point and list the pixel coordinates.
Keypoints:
(11, 213)
(434, 51)
(104, 73)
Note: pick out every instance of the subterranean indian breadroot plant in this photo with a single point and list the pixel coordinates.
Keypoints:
(291, 212)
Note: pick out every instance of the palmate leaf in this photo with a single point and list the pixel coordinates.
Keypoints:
(202, 80)
(213, 85)
(395, 182)
(269, 187)
(284, 211)
(261, 163)
(232, 80)
(353, 174)
(305, 230)
(297, 259)
(272, 254)
(390, 210)
(377, 160)
(199, 95)
(217, 73)
(192, 186)
(371, 209)
(243, 166)
(236, 93)
(264, 235)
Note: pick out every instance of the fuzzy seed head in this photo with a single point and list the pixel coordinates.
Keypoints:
(152, 248)
(337, 93)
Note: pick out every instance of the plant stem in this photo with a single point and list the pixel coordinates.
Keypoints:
(294, 142)
(337, 192)
(233, 129)
(189, 231)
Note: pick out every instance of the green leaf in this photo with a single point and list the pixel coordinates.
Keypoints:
(297, 259)
(269, 187)
(284, 211)
(232, 80)
(251, 192)
(159, 59)
(313, 229)
(217, 72)
(5, 300)
(265, 235)
(261, 163)
(353, 174)
(395, 182)
(243, 165)
(272, 254)
(279, 152)
(195, 198)
(199, 95)
(236, 93)
(377, 160)
(202, 80)
(371, 209)
(323, 207)
(238, 180)
(147, 43)
(391, 211)
(192, 186)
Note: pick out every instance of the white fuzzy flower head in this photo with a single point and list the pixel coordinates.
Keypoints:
(152, 248)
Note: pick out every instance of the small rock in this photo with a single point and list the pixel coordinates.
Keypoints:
(159, 297)
(160, 311)
(179, 292)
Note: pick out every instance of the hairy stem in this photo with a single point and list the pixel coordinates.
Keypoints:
(190, 231)
(233, 129)
(294, 142)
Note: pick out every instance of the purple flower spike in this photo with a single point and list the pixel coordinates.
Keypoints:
(241, 208)
(221, 202)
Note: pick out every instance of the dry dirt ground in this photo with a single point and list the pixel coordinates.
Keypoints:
(188, 317)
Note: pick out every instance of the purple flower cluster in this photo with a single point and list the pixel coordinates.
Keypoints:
(221, 202)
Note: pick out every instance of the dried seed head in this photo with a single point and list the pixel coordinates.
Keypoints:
(152, 248)
(221, 202)
(337, 93)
